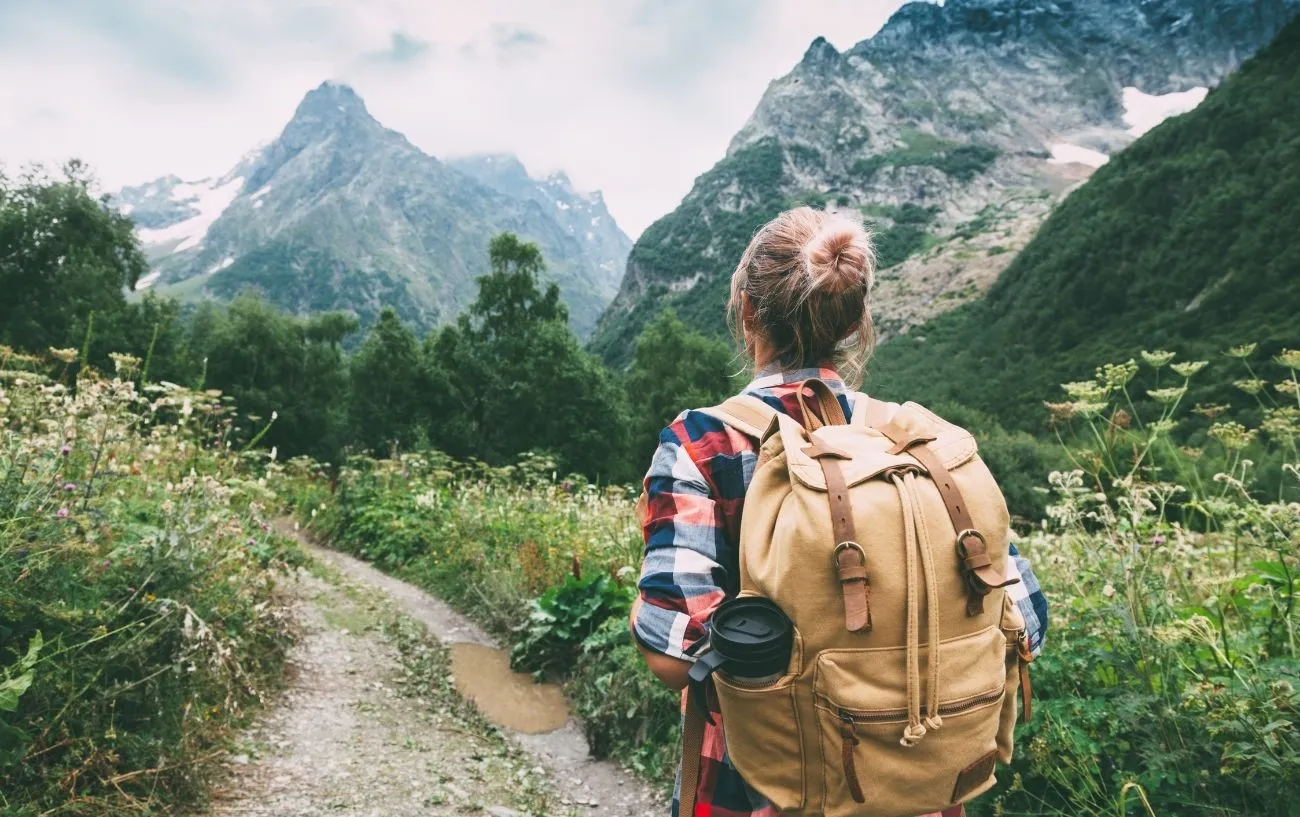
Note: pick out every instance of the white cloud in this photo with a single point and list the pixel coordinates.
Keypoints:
(635, 97)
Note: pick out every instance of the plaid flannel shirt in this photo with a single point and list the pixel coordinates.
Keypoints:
(695, 490)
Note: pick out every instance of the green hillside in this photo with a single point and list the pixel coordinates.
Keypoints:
(1188, 240)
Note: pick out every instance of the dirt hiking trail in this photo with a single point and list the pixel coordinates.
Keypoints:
(397, 705)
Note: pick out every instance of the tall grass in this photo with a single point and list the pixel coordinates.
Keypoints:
(140, 617)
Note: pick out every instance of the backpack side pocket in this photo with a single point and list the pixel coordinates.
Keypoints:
(1013, 627)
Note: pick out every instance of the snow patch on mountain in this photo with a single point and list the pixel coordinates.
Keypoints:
(1142, 112)
(1063, 153)
(147, 281)
(220, 265)
(210, 201)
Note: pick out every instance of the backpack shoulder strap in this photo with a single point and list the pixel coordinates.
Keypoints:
(745, 413)
(869, 412)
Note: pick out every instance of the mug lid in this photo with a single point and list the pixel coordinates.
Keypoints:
(751, 627)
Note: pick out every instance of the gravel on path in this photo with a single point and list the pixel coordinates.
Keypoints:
(601, 786)
(352, 736)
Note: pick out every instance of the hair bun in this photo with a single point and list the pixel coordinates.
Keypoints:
(839, 257)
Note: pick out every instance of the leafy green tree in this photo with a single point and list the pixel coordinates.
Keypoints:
(279, 365)
(510, 297)
(673, 368)
(64, 254)
(510, 376)
(153, 329)
(388, 381)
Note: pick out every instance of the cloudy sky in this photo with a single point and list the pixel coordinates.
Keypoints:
(635, 97)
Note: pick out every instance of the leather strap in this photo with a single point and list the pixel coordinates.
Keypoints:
(903, 440)
(978, 572)
(692, 749)
(869, 412)
(831, 412)
(850, 558)
(850, 741)
(1026, 688)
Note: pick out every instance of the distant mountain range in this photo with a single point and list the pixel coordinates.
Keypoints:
(955, 130)
(341, 213)
(1187, 242)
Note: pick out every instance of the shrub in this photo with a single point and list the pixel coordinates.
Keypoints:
(139, 613)
(1173, 661)
(563, 618)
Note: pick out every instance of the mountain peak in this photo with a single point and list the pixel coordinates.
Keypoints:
(820, 55)
(331, 101)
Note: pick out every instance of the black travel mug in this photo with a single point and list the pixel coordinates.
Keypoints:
(750, 640)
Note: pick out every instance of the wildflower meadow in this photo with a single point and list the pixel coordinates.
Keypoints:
(141, 613)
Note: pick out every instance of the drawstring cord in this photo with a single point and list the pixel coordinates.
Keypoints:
(918, 542)
(933, 721)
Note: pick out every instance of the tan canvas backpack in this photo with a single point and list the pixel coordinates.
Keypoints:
(879, 539)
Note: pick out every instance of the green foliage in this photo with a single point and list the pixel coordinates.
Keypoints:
(564, 617)
(674, 369)
(1185, 241)
(921, 149)
(387, 386)
(282, 370)
(626, 712)
(1173, 662)
(139, 612)
(64, 255)
(513, 378)
(967, 161)
(896, 244)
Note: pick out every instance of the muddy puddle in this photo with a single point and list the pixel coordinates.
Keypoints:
(507, 698)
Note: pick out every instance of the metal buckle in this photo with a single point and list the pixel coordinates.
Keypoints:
(902, 469)
(842, 546)
(961, 540)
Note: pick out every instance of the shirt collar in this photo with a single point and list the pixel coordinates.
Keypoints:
(773, 375)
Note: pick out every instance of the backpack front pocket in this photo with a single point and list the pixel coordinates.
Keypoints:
(862, 709)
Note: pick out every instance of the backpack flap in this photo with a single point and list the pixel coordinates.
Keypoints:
(871, 449)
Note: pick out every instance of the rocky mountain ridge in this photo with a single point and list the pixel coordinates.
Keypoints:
(954, 130)
(340, 212)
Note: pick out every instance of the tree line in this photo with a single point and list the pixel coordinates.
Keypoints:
(507, 376)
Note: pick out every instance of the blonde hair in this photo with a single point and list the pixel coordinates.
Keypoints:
(807, 275)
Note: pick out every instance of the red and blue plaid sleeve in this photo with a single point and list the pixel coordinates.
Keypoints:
(1028, 596)
(682, 581)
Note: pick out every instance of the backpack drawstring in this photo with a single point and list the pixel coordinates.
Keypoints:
(918, 542)
(933, 720)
